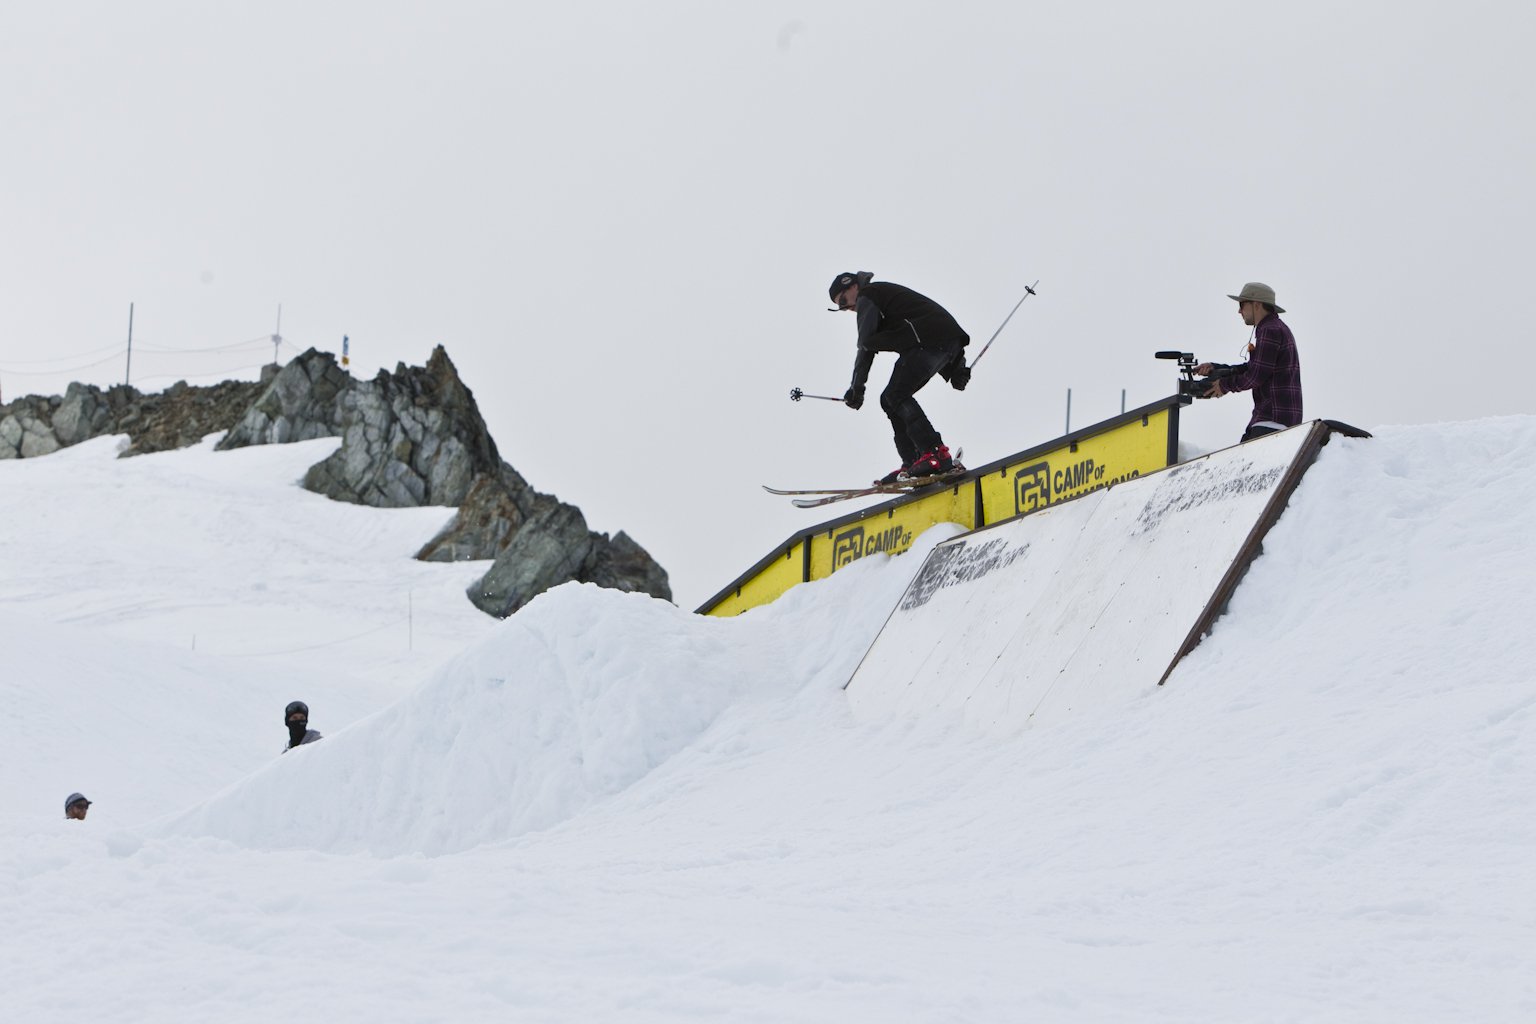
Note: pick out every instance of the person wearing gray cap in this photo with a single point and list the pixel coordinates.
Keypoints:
(75, 806)
(1273, 369)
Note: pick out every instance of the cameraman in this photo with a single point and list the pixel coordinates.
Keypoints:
(1273, 370)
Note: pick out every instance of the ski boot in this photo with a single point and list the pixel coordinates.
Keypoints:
(934, 463)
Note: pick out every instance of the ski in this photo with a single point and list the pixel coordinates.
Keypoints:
(810, 490)
(827, 495)
(904, 487)
(862, 492)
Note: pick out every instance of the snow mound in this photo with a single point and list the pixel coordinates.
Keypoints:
(575, 698)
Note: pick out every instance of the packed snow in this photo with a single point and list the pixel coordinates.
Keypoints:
(607, 808)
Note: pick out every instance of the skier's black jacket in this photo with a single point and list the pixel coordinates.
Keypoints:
(894, 318)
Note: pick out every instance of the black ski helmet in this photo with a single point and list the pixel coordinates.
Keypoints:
(297, 705)
(842, 282)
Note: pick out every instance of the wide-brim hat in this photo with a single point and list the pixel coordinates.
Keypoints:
(1257, 291)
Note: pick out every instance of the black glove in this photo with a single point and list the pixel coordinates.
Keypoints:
(960, 378)
(853, 397)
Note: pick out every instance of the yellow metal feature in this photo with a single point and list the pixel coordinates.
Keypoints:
(1024, 485)
(765, 586)
(891, 529)
(1095, 457)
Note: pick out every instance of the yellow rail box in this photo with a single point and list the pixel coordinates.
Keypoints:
(1101, 455)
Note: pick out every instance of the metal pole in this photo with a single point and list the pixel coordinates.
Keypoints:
(1069, 411)
(128, 370)
(1122, 401)
(277, 335)
(795, 394)
(1029, 290)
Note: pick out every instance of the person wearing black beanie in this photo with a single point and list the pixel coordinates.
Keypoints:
(296, 717)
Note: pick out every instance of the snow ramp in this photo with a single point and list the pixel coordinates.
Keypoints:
(1083, 604)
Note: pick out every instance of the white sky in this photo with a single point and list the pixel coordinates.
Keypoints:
(621, 219)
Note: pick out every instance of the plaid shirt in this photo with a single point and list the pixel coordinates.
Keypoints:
(1273, 372)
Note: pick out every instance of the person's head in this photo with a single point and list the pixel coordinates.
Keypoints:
(75, 806)
(296, 715)
(844, 291)
(1255, 302)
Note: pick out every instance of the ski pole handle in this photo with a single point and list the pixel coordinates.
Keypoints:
(795, 394)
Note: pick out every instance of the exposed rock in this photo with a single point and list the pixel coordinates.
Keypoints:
(556, 547)
(414, 437)
(181, 415)
(621, 564)
(495, 508)
(549, 550)
(299, 404)
(26, 428)
(87, 412)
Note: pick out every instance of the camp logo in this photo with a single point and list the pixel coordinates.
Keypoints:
(1036, 485)
(1032, 488)
(847, 546)
(854, 543)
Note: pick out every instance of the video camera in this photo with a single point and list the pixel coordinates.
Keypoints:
(1189, 384)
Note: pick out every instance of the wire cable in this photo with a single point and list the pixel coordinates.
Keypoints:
(119, 347)
(266, 340)
(5, 370)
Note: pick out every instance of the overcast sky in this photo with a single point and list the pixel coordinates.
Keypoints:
(620, 220)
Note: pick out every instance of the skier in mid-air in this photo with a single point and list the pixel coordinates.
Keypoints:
(927, 340)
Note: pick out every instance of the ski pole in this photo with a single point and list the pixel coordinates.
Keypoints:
(1029, 290)
(795, 394)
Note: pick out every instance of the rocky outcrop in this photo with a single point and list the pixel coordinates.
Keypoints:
(299, 404)
(88, 412)
(414, 437)
(550, 549)
(181, 415)
(495, 509)
(26, 428)
(409, 438)
(537, 542)
(621, 564)
(555, 547)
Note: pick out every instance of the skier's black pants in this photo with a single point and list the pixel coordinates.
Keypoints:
(914, 434)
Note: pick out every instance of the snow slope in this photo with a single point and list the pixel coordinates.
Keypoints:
(577, 698)
(1077, 606)
(606, 809)
(158, 612)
